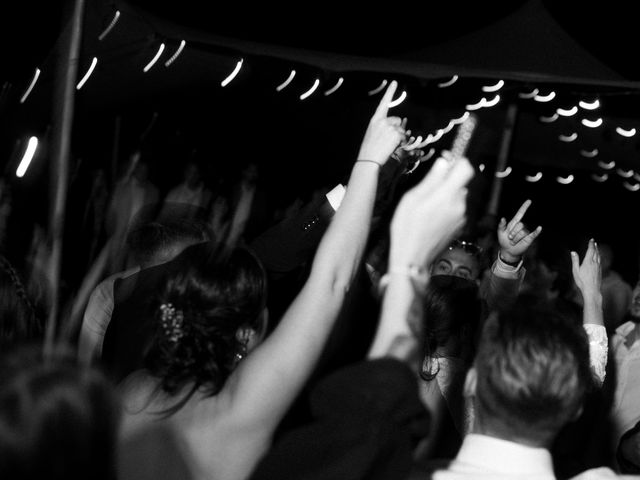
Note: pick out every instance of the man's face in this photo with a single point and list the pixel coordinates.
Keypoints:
(458, 263)
(634, 310)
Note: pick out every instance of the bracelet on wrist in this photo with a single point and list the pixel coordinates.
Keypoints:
(369, 161)
(511, 264)
(417, 274)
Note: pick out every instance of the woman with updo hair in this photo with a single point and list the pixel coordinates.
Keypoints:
(209, 316)
(205, 388)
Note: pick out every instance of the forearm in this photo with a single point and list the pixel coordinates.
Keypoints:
(275, 372)
(501, 288)
(593, 323)
(342, 246)
(592, 312)
(401, 303)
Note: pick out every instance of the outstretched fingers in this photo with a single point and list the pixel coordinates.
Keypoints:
(592, 251)
(532, 236)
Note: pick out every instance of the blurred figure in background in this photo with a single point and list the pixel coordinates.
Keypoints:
(150, 243)
(94, 217)
(133, 191)
(625, 344)
(192, 190)
(616, 293)
(249, 206)
(57, 421)
(19, 321)
(5, 211)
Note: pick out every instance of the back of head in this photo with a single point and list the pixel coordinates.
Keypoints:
(57, 420)
(153, 240)
(532, 369)
(18, 320)
(200, 310)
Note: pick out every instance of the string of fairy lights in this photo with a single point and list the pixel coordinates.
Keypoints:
(490, 97)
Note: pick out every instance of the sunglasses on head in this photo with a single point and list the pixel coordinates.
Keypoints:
(468, 247)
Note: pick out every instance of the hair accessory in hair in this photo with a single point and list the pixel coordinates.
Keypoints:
(172, 322)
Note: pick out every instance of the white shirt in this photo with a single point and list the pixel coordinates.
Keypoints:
(481, 456)
(97, 316)
(626, 408)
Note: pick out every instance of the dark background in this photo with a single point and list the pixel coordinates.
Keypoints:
(178, 113)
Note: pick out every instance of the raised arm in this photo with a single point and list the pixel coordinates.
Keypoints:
(267, 381)
(588, 278)
(501, 287)
(514, 238)
(426, 219)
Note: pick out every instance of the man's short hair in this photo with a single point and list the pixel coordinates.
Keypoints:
(151, 236)
(532, 370)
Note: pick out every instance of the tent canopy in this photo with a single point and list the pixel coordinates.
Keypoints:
(530, 44)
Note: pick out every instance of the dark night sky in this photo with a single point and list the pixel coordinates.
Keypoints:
(303, 145)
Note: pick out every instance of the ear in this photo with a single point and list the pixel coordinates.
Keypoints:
(244, 334)
(470, 383)
(251, 337)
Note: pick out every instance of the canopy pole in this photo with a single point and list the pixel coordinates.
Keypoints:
(62, 124)
(501, 164)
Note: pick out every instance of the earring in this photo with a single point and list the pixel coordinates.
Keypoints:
(242, 352)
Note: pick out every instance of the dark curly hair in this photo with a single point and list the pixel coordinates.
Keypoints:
(214, 293)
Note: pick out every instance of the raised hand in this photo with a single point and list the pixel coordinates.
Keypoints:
(429, 215)
(587, 275)
(426, 219)
(384, 133)
(514, 238)
(588, 278)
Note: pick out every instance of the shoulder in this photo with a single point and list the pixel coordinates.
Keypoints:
(601, 473)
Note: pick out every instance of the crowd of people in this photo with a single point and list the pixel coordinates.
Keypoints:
(361, 334)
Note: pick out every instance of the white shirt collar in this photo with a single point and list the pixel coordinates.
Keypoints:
(503, 457)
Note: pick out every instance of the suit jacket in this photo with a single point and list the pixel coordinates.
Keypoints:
(366, 421)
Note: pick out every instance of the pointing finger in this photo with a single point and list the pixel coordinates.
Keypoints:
(383, 106)
(520, 213)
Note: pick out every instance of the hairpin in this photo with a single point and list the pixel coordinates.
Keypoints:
(172, 320)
